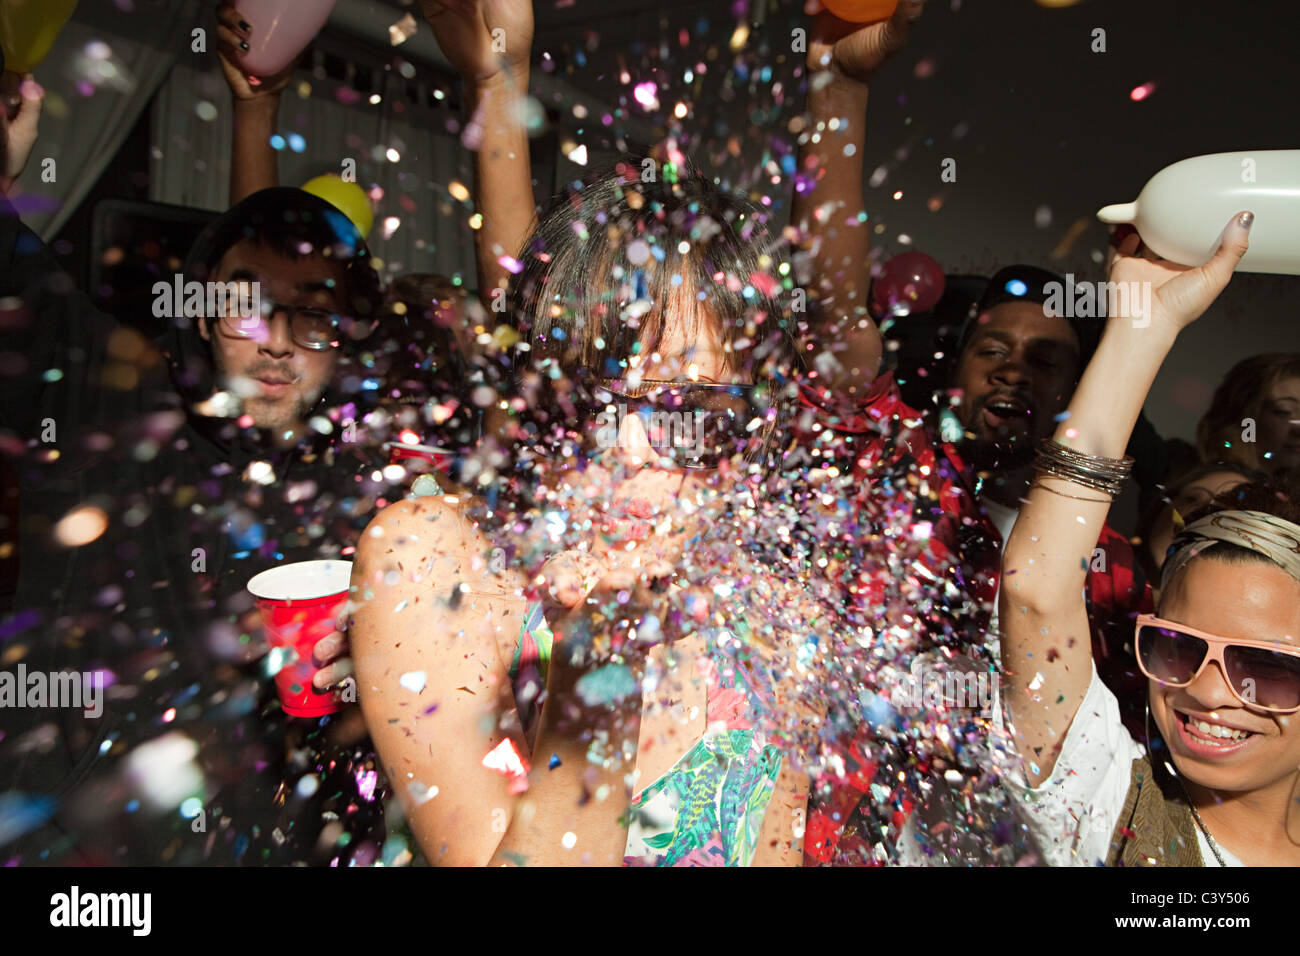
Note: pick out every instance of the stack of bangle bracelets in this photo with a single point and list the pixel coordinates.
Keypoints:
(1091, 471)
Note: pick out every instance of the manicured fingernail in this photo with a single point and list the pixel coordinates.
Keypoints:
(243, 26)
(243, 45)
(1247, 219)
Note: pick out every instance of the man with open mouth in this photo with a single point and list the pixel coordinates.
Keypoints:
(1017, 364)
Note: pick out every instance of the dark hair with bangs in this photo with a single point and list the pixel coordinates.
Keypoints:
(606, 268)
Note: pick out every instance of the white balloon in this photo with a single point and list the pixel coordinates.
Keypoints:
(1182, 210)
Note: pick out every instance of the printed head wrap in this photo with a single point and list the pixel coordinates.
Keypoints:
(1275, 538)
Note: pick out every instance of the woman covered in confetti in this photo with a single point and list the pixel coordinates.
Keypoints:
(611, 559)
(1216, 784)
(611, 656)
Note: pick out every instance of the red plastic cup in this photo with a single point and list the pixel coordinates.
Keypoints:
(440, 458)
(300, 604)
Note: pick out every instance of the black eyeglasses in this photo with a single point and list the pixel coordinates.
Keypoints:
(695, 425)
(311, 327)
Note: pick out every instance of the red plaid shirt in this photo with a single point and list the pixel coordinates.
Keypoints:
(882, 439)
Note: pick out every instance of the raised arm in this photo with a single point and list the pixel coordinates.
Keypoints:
(256, 107)
(842, 59)
(489, 43)
(1046, 651)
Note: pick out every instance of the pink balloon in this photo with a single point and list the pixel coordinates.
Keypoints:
(281, 30)
(908, 283)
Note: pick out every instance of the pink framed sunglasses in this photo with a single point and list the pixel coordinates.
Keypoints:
(1261, 674)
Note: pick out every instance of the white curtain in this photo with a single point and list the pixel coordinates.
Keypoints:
(191, 159)
(99, 76)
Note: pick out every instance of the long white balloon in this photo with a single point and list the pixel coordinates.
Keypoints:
(1182, 210)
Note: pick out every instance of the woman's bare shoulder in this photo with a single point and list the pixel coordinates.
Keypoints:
(436, 535)
(429, 523)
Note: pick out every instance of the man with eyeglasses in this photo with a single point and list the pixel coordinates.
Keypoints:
(278, 363)
(156, 481)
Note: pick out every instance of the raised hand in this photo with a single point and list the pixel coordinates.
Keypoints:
(842, 58)
(233, 32)
(856, 51)
(480, 37)
(1180, 294)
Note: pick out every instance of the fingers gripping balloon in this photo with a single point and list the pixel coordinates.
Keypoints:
(281, 29)
(1181, 210)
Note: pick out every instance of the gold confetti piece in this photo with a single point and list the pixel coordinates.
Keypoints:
(402, 30)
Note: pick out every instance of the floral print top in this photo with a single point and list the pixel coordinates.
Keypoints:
(708, 808)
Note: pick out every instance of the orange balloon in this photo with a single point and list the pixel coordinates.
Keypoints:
(862, 11)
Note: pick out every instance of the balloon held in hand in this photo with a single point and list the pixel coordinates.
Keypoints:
(1181, 211)
(862, 11)
(279, 30)
(907, 284)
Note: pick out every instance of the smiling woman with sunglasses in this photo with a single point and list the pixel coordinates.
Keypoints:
(1216, 783)
(1260, 674)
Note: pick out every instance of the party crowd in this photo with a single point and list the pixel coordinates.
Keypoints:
(646, 544)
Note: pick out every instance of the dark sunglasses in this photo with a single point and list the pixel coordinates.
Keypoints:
(1261, 674)
(695, 425)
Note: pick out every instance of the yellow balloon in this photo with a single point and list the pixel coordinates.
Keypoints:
(28, 29)
(349, 198)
